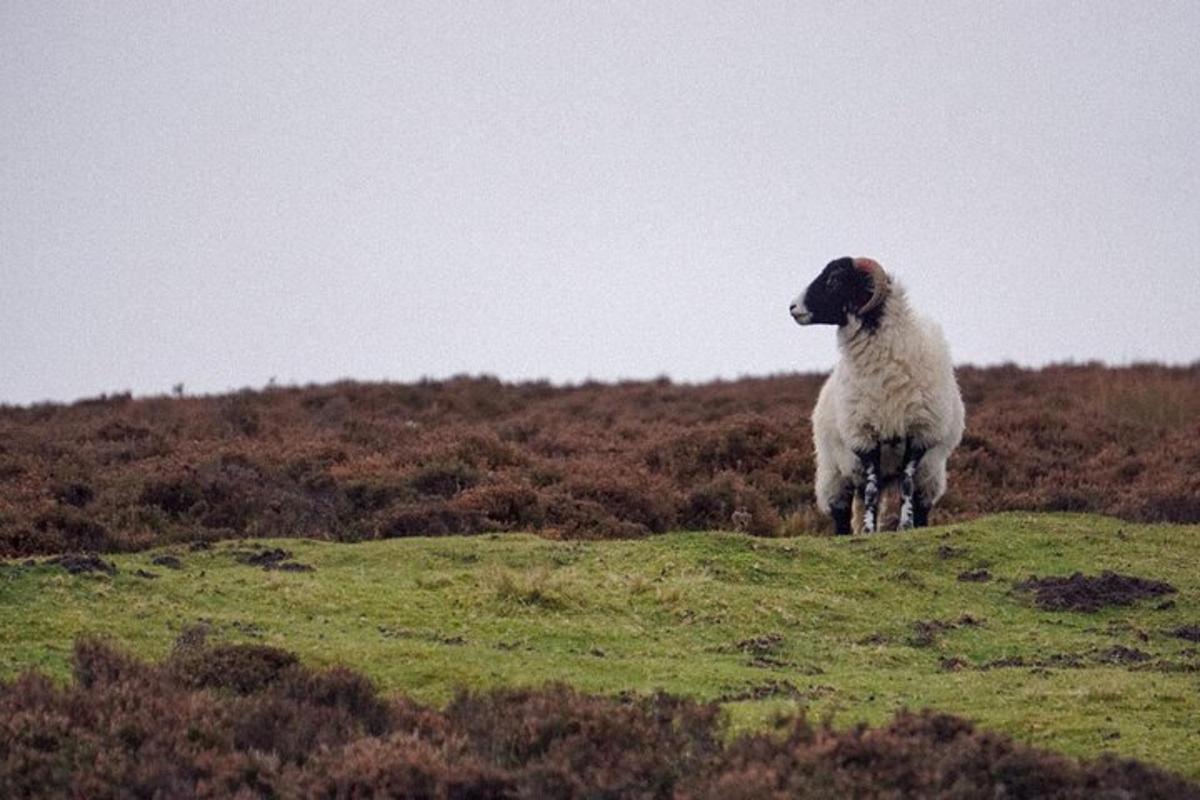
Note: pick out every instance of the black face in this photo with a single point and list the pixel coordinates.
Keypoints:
(840, 290)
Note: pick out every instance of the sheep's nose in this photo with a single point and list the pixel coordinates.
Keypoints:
(794, 307)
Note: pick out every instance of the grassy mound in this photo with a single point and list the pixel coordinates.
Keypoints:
(856, 628)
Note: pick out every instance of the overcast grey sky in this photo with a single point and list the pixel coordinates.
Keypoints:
(217, 194)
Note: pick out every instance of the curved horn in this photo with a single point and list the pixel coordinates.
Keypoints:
(881, 283)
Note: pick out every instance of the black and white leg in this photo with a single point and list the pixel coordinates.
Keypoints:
(870, 488)
(913, 510)
(839, 509)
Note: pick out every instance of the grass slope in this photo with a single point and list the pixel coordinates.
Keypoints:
(761, 624)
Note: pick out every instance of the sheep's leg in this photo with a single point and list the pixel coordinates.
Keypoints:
(870, 488)
(921, 511)
(913, 511)
(839, 509)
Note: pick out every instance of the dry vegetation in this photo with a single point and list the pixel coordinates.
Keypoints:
(249, 721)
(361, 461)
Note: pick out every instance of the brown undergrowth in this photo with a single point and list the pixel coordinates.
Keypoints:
(250, 721)
(360, 461)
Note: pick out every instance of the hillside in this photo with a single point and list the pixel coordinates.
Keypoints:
(360, 462)
(856, 628)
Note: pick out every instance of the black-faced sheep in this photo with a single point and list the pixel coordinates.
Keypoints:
(891, 410)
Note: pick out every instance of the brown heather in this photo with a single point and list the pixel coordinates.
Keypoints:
(248, 721)
(362, 461)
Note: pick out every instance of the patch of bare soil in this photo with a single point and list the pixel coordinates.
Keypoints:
(926, 631)
(948, 551)
(428, 636)
(79, 563)
(1118, 655)
(168, 561)
(764, 652)
(975, 576)
(763, 645)
(762, 691)
(1189, 632)
(1087, 593)
(271, 559)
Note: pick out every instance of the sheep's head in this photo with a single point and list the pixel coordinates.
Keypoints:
(846, 287)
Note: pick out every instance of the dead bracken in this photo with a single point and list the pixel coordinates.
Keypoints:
(1085, 593)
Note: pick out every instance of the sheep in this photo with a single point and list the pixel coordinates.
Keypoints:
(890, 412)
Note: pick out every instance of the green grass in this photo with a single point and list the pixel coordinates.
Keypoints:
(425, 616)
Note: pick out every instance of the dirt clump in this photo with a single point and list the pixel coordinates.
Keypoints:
(763, 645)
(1117, 655)
(1120, 654)
(764, 653)
(1005, 663)
(168, 561)
(1189, 632)
(262, 558)
(926, 631)
(294, 566)
(948, 551)
(271, 559)
(80, 563)
(975, 576)
(1086, 593)
(762, 691)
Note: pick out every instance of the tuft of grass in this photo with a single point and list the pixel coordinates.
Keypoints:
(534, 588)
(836, 626)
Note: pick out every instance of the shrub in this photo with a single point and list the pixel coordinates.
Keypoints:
(242, 668)
(353, 461)
(728, 502)
(505, 506)
(444, 479)
(432, 519)
(124, 728)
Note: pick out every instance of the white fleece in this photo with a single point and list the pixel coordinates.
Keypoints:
(897, 382)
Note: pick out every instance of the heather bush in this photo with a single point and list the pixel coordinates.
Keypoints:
(355, 461)
(432, 518)
(128, 729)
(728, 502)
(506, 506)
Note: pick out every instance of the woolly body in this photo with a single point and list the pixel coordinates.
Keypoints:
(892, 384)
